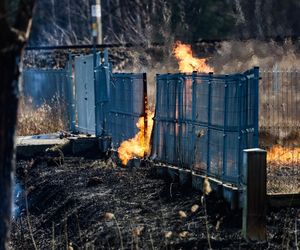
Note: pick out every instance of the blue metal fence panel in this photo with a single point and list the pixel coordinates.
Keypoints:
(70, 95)
(126, 105)
(121, 102)
(102, 94)
(44, 85)
(85, 93)
(203, 122)
(48, 86)
(100, 102)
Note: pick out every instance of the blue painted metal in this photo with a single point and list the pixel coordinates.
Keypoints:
(239, 156)
(214, 118)
(120, 102)
(85, 93)
(126, 105)
(44, 85)
(208, 172)
(49, 86)
(102, 96)
(194, 103)
(70, 95)
(225, 122)
(255, 100)
(98, 101)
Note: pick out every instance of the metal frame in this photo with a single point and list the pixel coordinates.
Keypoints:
(59, 80)
(243, 132)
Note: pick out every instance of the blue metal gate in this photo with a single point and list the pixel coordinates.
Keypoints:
(203, 122)
(85, 94)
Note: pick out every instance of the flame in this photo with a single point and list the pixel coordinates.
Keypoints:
(283, 155)
(139, 146)
(188, 63)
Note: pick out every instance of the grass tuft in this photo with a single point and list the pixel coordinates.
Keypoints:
(47, 118)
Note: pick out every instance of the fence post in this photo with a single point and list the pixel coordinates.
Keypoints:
(224, 170)
(70, 95)
(145, 109)
(210, 75)
(254, 196)
(256, 105)
(194, 140)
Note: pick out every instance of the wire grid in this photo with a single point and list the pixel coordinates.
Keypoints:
(126, 106)
(203, 122)
(49, 86)
(44, 85)
(279, 123)
(279, 101)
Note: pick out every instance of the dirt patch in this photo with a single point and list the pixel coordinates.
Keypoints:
(93, 204)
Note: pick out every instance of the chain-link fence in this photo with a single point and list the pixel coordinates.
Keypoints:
(279, 127)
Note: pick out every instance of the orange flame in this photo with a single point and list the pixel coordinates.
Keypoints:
(139, 146)
(188, 63)
(283, 155)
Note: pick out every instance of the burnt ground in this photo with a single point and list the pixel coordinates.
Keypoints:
(283, 178)
(68, 203)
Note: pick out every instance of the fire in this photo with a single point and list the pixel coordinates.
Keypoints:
(139, 146)
(188, 63)
(283, 155)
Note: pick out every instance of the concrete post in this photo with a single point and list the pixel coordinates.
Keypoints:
(254, 196)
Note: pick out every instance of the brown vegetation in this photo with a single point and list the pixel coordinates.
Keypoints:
(48, 118)
(129, 209)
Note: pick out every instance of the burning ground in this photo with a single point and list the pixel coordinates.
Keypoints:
(94, 204)
(283, 170)
(87, 204)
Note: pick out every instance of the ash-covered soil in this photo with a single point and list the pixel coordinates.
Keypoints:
(283, 178)
(94, 204)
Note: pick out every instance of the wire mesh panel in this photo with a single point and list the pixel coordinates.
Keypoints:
(44, 85)
(279, 101)
(203, 122)
(126, 106)
(279, 123)
(50, 86)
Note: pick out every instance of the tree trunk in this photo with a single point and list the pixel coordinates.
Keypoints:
(12, 41)
(8, 104)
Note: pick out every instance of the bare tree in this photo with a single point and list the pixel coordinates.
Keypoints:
(62, 26)
(14, 32)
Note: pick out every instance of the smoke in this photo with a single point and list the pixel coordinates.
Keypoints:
(238, 56)
(17, 196)
(225, 58)
(153, 61)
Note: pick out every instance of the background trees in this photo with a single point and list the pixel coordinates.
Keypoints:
(68, 22)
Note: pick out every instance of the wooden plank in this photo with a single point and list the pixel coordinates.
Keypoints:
(254, 196)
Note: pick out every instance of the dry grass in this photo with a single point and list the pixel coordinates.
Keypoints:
(47, 118)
